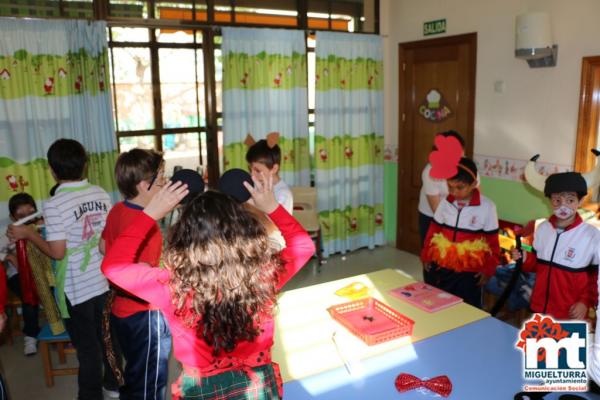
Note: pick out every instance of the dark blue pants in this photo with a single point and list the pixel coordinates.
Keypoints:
(31, 326)
(424, 222)
(145, 341)
(3, 388)
(85, 329)
(461, 284)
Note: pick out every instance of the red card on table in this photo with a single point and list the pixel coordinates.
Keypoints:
(426, 297)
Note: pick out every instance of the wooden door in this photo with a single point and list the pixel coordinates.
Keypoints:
(436, 93)
(589, 121)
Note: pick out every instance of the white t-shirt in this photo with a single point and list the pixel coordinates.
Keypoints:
(7, 247)
(284, 196)
(77, 213)
(431, 187)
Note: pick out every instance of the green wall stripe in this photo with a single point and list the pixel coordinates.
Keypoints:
(515, 201)
(390, 200)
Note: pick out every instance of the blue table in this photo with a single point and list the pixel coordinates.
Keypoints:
(480, 359)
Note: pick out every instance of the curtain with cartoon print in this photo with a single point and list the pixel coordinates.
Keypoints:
(349, 140)
(264, 91)
(53, 84)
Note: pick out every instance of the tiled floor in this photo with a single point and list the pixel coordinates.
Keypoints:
(25, 374)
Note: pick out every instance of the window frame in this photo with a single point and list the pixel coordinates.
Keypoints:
(159, 130)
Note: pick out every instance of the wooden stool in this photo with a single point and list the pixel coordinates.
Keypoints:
(13, 326)
(515, 318)
(45, 340)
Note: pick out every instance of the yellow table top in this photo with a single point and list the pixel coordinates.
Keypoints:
(304, 329)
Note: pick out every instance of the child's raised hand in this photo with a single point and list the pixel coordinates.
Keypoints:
(262, 193)
(166, 199)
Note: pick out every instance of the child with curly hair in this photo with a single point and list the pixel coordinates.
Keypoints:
(218, 288)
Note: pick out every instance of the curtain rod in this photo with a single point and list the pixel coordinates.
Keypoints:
(181, 24)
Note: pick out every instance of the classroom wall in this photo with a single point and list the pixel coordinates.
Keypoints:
(536, 113)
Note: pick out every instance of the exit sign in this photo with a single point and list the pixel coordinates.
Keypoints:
(434, 27)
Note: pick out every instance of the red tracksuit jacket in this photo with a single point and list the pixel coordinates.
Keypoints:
(465, 239)
(566, 264)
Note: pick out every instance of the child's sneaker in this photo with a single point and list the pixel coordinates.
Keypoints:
(30, 346)
(110, 394)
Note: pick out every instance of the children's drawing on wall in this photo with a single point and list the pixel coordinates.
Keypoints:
(512, 169)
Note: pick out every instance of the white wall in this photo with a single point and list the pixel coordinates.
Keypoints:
(537, 113)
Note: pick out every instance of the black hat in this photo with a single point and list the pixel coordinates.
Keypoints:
(192, 179)
(565, 182)
(231, 183)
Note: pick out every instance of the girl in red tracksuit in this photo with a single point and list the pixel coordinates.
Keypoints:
(565, 253)
(461, 249)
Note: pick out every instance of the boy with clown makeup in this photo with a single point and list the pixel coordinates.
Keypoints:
(565, 250)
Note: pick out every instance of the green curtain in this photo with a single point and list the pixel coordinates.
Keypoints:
(53, 84)
(349, 140)
(265, 90)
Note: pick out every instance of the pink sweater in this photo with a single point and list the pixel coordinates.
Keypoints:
(150, 284)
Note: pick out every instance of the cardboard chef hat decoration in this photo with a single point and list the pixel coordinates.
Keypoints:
(445, 158)
(564, 181)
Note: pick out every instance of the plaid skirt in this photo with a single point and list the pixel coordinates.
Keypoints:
(229, 385)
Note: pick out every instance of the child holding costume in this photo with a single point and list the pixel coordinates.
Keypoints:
(564, 253)
(461, 248)
(21, 205)
(565, 257)
(218, 287)
(74, 219)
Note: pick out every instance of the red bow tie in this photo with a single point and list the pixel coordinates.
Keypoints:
(440, 384)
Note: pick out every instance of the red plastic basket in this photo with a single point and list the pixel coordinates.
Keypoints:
(372, 321)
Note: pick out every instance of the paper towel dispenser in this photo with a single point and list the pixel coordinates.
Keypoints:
(534, 40)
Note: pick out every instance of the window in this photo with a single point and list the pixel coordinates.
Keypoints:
(47, 8)
(338, 15)
(348, 16)
(158, 79)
